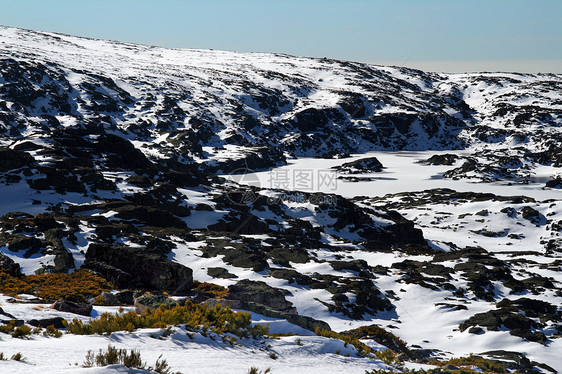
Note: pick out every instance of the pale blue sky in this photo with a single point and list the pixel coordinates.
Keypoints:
(431, 34)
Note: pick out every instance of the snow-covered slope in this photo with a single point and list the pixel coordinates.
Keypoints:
(117, 158)
(185, 103)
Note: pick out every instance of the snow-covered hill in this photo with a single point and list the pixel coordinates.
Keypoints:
(118, 158)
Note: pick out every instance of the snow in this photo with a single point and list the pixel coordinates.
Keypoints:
(183, 350)
(402, 173)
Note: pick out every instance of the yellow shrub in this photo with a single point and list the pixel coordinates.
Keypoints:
(77, 286)
(211, 288)
(194, 316)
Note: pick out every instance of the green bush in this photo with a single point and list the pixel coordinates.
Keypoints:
(255, 370)
(52, 331)
(18, 357)
(21, 331)
(194, 316)
(77, 286)
(132, 359)
(8, 328)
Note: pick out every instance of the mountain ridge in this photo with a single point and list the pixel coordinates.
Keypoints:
(303, 106)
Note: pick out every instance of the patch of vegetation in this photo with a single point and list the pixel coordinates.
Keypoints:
(78, 286)
(17, 357)
(21, 331)
(210, 288)
(24, 331)
(255, 370)
(52, 332)
(120, 356)
(471, 362)
(463, 365)
(381, 336)
(388, 356)
(216, 319)
(362, 349)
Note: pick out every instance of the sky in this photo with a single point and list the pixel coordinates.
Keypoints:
(452, 35)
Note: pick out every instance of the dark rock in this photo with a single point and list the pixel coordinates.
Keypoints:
(554, 183)
(285, 255)
(246, 225)
(532, 215)
(15, 322)
(72, 307)
(150, 216)
(518, 324)
(56, 322)
(532, 307)
(121, 153)
(475, 330)
(133, 268)
(354, 106)
(248, 257)
(31, 245)
(58, 179)
(219, 272)
(519, 358)
(363, 165)
(139, 181)
(381, 336)
(2, 312)
(292, 276)
(9, 265)
(153, 301)
(108, 298)
(259, 292)
(387, 123)
(11, 159)
(126, 297)
(164, 197)
(310, 119)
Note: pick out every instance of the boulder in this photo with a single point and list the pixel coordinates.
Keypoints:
(218, 272)
(554, 183)
(11, 159)
(9, 265)
(259, 292)
(310, 119)
(82, 309)
(122, 153)
(107, 298)
(363, 165)
(153, 301)
(531, 214)
(56, 322)
(134, 268)
(447, 159)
